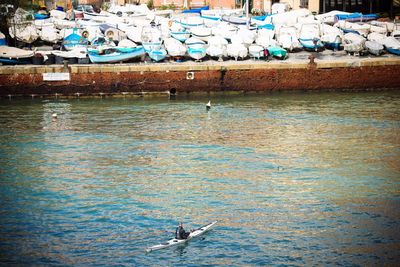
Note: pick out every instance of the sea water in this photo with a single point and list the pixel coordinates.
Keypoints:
(292, 178)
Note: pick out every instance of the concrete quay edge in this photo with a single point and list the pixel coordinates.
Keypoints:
(200, 66)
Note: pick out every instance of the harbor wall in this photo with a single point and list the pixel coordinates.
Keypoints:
(190, 77)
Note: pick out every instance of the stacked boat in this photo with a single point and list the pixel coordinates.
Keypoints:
(135, 33)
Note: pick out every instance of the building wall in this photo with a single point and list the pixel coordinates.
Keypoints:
(50, 4)
(313, 6)
(96, 3)
(196, 3)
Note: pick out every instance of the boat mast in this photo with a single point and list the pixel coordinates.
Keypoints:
(247, 13)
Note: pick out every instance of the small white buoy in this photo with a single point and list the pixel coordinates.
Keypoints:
(208, 106)
(54, 115)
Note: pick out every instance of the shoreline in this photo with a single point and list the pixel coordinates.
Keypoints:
(328, 71)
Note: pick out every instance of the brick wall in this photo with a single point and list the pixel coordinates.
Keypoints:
(96, 3)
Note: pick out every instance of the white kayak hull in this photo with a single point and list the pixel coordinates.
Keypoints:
(174, 242)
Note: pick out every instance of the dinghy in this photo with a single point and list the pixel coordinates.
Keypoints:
(74, 40)
(3, 40)
(26, 33)
(196, 48)
(353, 43)
(201, 32)
(287, 38)
(277, 52)
(151, 38)
(113, 55)
(392, 45)
(374, 47)
(217, 47)
(13, 52)
(190, 21)
(310, 36)
(157, 54)
(174, 47)
(237, 50)
(256, 51)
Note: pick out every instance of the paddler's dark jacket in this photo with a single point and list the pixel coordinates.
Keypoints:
(180, 233)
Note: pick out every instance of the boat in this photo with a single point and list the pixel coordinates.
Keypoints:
(289, 18)
(386, 26)
(178, 32)
(126, 43)
(219, 12)
(113, 55)
(277, 51)
(217, 47)
(331, 37)
(57, 14)
(329, 17)
(396, 32)
(196, 10)
(157, 54)
(374, 47)
(74, 40)
(201, 32)
(72, 56)
(235, 19)
(224, 30)
(247, 36)
(26, 33)
(310, 36)
(277, 8)
(392, 45)
(287, 38)
(64, 24)
(49, 34)
(237, 50)
(265, 37)
(13, 55)
(3, 40)
(196, 48)
(210, 21)
(374, 36)
(174, 47)
(151, 38)
(42, 23)
(358, 28)
(133, 10)
(256, 51)
(115, 34)
(356, 17)
(175, 242)
(134, 33)
(182, 35)
(353, 43)
(89, 13)
(40, 16)
(190, 21)
(104, 49)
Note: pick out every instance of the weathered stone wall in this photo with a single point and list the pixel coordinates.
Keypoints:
(200, 77)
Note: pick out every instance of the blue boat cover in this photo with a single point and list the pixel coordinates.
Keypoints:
(196, 10)
(266, 26)
(41, 16)
(354, 17)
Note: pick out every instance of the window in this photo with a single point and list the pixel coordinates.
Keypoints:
(304, 3)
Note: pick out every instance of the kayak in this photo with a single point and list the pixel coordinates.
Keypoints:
(174, 242)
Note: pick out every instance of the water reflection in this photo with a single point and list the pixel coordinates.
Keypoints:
(292, 179)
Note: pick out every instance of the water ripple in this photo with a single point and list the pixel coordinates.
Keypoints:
(294, 179)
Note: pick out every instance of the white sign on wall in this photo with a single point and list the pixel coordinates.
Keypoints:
(56, 76)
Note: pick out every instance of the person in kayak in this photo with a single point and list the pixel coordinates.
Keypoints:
(180, 232)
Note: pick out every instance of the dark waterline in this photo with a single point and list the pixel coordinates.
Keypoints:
(294, 179)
